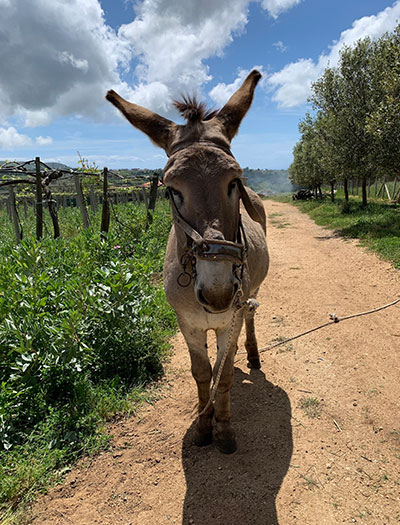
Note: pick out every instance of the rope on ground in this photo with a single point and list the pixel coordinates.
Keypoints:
(250, 304)
(334, 319)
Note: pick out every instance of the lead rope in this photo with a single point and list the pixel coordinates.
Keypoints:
(221, 366)
(333, 320)
(253, 304)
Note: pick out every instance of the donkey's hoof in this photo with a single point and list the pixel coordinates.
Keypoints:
(254, 363)
(226, 442)
(202, 439)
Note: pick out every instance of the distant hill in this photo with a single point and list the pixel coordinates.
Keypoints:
(58, 166)
(268, 182)
(263, 181)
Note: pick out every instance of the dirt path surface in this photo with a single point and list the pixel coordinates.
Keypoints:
(318, 427)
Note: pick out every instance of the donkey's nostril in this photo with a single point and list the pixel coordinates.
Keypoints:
(201, 297)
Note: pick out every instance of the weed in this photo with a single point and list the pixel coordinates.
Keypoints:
(311, 406)
(285, 348)
(309, 481)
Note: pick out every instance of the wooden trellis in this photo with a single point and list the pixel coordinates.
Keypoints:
(40, 180)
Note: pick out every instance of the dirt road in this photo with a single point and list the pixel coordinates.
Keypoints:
(318, 427)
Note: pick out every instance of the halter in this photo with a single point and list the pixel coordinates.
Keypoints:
(214, 250)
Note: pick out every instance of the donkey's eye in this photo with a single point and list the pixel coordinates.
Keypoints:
(177, 195)
(231, 187)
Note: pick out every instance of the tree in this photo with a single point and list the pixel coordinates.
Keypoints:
(384, 121)
(346, 95)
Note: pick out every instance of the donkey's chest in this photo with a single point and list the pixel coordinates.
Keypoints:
(205, 321)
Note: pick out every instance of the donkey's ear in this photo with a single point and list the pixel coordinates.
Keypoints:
(256, 215)
(235, 109)
(157, 128)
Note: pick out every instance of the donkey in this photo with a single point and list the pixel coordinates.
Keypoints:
(216, 255)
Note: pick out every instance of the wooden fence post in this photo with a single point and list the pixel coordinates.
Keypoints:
(153, 192)
(39, 203)
(105, 214)
(81, 200)
(14, 215)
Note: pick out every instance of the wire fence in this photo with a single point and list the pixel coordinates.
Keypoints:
(36, 184)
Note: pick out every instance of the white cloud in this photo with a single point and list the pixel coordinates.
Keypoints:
(43, 141)
(280, 46)
(60, 59)
(221, 92)
(172, 38)
(79, 63)
(35, 118)
(11, 139)
(276, 7)
(292, 84)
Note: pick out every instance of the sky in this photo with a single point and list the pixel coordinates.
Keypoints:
(58, 59)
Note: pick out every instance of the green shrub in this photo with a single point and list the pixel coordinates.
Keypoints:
(82, 322)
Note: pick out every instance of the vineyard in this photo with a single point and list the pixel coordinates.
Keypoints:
(83, 326)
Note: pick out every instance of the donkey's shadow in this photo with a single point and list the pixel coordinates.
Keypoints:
(241, 488)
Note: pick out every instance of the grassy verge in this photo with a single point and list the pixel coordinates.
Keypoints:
(377, 225)
(84, 327)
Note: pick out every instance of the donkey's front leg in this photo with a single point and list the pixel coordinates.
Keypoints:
(196, 340)
(253, 357)
(227, 341)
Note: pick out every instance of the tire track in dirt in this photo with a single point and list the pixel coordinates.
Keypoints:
(290, 468)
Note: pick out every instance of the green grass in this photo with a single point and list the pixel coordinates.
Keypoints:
(377, 225)
(84, 329)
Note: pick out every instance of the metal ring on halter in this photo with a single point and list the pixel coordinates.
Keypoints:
(184, 279)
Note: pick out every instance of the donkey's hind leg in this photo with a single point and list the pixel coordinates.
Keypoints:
(253, 357)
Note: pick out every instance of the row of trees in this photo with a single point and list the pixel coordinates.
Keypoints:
(355, 130)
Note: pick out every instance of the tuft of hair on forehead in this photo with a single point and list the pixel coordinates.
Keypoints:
(192, 110)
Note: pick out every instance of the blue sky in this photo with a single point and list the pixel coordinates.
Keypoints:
(59, 58)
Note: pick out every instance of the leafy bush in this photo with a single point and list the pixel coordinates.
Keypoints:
(82, 322)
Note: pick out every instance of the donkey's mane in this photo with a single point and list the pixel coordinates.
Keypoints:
(192, 110)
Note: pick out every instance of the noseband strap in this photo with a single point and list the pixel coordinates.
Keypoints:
(212, 249)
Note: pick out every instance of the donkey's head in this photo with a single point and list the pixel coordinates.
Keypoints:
(205, 185)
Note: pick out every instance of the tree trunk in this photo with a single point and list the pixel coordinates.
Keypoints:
(346, 189)
(332, 191)
(364, 191)
(52, 205)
